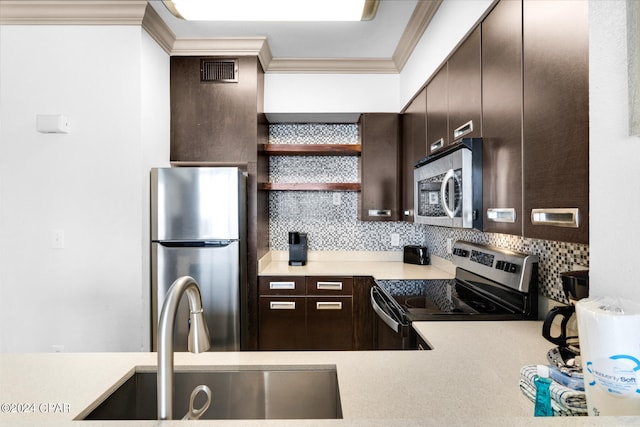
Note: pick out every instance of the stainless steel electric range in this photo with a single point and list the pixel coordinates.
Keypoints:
(490, 284)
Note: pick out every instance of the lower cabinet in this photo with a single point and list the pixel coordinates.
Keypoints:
(310, 313)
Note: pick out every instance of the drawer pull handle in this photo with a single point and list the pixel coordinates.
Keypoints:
(463, 130)
(379, 212)
(501, 214)
(282, 285)
(282, 305)
(329, 286)
(437, 145)
(322, 305)
(560, 217)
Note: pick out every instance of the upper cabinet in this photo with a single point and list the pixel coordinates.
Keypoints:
(465, 89)
(437, 111)
(214, 108)
(414, 147)
(556, 120)
(379, 135)
(502, 118)
(454, 96)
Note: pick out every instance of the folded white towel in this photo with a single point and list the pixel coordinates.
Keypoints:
(564, 400)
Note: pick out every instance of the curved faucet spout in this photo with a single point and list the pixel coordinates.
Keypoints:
(198, 338)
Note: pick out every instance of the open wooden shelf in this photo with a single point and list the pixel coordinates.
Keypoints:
(310, 186)
(312, 149)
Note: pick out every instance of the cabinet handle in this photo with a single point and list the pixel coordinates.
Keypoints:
(501, 214)
(379, 212)
(282, 285)
(558, 217)
(329, 286)
(282, 305)
(326, 305)
(463, 130)
(437, 145)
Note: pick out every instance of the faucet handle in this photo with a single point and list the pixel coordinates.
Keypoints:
(195, 414)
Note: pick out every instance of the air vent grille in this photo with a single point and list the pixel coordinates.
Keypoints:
(219, 70)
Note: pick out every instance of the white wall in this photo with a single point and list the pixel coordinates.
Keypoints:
(330, 93)
(89, 296)
(614, 155)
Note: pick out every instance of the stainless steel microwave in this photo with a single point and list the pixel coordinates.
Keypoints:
(448, 186)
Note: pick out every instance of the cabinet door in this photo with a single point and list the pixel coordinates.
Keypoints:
(363, 314)
(379, 167)
(465, 89)
(502, 119)
(330, 323)
(437, 111)
(414, 147)
(556, 118)
(282, 323)
(214, 121)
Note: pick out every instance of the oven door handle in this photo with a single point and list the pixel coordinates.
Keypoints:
(443, 193)
(395, 326)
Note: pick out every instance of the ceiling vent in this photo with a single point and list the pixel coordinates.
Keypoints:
(219, 70)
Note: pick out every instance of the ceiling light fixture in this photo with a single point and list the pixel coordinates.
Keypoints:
(273, 10)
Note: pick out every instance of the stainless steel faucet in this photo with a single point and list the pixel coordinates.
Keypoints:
(198, 338)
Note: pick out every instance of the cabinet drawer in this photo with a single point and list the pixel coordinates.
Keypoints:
(281, 285)
(329, 285)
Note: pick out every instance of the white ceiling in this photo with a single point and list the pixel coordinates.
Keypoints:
(375, 39)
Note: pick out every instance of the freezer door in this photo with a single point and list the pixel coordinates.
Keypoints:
(197, 203)
(216, 269)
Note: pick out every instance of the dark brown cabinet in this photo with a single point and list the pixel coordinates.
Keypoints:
(414, 148)
(556, 120)
(379, 135)
(437, 111)
(214, 121)
(465, 89)
(502, 119)
(312, 313)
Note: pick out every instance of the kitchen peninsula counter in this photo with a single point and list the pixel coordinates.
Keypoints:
(379, 265)
(469, 379)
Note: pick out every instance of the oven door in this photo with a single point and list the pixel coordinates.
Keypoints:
(448, 188)
(391, 329)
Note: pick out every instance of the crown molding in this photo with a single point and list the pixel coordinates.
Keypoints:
(224, 46)
(72, 12)
(418, 23)
(333, 65)
(158, 30)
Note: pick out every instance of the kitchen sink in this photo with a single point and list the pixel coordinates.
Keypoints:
(246, 392)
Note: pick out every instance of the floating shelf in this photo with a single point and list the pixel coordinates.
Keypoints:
(312, 149)
(310, 186)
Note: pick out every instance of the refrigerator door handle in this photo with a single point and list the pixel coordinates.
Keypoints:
(196, 243)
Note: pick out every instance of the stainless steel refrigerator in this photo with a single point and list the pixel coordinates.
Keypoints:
(198, 228)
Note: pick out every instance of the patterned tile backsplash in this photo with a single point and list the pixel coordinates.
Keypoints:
(330, 219)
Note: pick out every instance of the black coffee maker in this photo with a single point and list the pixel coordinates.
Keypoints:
(575, 285)
(297, 248)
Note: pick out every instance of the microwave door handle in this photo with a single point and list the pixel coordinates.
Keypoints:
(443, 192)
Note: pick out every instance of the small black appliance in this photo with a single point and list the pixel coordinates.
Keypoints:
(297, 248)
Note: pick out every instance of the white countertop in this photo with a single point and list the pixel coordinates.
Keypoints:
(470, 378)
(379, 265)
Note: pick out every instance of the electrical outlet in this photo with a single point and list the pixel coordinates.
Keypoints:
(449, 246)
(57, 239)
(57, 348)
(395, 239)
(337, 199)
